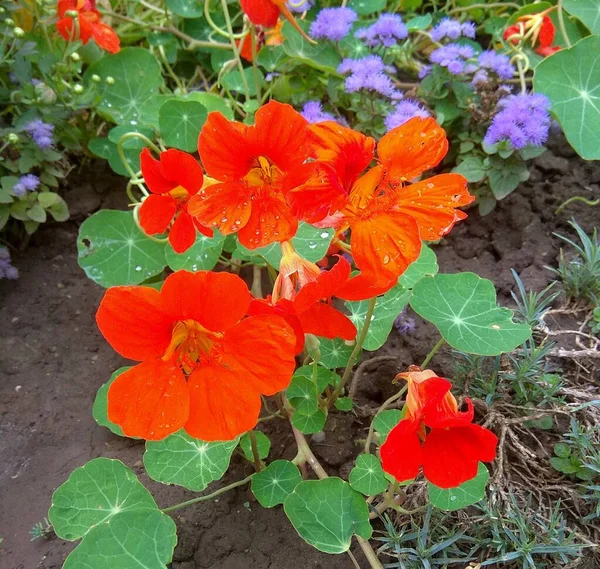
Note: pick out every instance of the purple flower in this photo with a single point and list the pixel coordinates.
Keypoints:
(523, 119)
(313, 112)
(41, 133)
(424, 71)
(333, 23)
(299, 5)
(270, 76)
(7, 271)
(386, 31)
(368, 73)
(27, 183)
(404, 324)
(452, 30)
(405, 110)
(454, 57)
(497, 62)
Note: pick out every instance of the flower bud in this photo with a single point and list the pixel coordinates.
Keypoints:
(13, 138)
(78, 89)
(45, 94)
(2, 10)
(71, 13)
(96, 78)
(110, 80)
(75, 56)
(18, 32)
(313, 344)
(9, 22)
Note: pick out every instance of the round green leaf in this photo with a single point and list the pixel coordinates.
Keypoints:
(571, 80)
(588, 11)
(321, 56)
(211, 102)
(180, 123)
(309, 422)
(137, 76)
(233, 81)
(93, 494)
(425, 265)
(302, 394)
(188, 462)
(263, 445)
(327, 513)
(468, 493)
(325, 377)
(343, 404)
(275, 483)
(366, 7)
(385, 422)
(562, 449)
(185, 8)
(100, 408)
(201, 256)
(131, 540)
(463, 307)
(334, 353)
(113, 251)
(419, 23)
(367, 476)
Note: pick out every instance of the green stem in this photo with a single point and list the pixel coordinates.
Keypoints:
(256, 281)
(355, 352)
(521, 76)
(586, 201)
(167, 66)
(254, 66)
(381, 409)
(208, 496)
(255, 454)
(430, 355)
(561, 23)
(488, 6)
(226, 34)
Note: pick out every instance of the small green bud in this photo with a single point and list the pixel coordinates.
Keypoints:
(9, 22)
(75, 56)
(78, 89)
(312, 344)
(13, 138)
(2, 10)
(96, 78)
(110, 80)
(72, 13)
(18, 32)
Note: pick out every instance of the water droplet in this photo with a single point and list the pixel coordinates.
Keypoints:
(386, 259)
(138, 268)
(324, 235)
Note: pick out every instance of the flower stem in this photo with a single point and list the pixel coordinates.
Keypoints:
(381, 409)
(255, 455)
(487, 6)
(430, 355)
(561, 23)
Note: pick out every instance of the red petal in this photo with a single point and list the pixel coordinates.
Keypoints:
(183, 233)
(324, 320)
(326, 285)
(153, 174)
(361, 287)
(134, 322)
(149, 401)
(401, 453)
(156, 212)
(283, 308)
(222, 406)
(270, 221)
(182, 169)
(547, 32)
(217, 301)
(106, 37)
(261, 12)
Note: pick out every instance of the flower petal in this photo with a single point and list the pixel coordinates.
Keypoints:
(134, 322)
(153, 174)
(182, 169)
(546, 34)
(401, 453)
(106, 37)
(285, 309)
(326, 285)
(221, 405)
(412, 148)
(261, 12)
(156, 212)
(149, 401)
(217, 301)
(326, 321)
(361, 287)
(270, 221)
(183, 233)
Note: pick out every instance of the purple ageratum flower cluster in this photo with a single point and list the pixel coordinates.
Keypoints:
(454, 57)
(497, 63)
(369, 73)
(333, 24)
(26, 183)
(386, 31)
(405, 110)
(452, 30)
(404, 323)
(299, 5)
(7, 271)
(41, 133)
(313, 112)
(523, 119)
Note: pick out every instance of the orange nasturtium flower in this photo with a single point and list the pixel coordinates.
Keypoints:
(388, 216)
(172, 179)
(89, 23)
(538, 29)
(265, 13)
(251, 165)
(435, 435)
(266, 37)
(204, 365)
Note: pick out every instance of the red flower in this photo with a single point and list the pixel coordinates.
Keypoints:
(435, 435)
(203, 365)
(172, 179)
(265, 13)
(388, 216)
(538, 29)
(89, 23)
(251, 164)
(267, 37)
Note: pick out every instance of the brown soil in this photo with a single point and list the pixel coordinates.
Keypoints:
(53, 359)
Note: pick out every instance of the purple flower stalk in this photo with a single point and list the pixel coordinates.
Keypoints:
(7, 271)
(404, 324)
(368, 73)
(496, 62)
(333, 24)
(41, 133)
(27, 183)
(454, 57)
(386, 31)
(452, 30)
(313, 112)
(524, 120)
(404, 111)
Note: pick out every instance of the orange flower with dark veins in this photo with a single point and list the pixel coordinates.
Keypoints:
(435, 435)
(89, 24)
(172, 179)
(251, 165)
(204, 365)
(387, 214)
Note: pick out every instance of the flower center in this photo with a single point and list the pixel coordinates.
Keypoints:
(179, 194)
(190, 342)
(263, 173)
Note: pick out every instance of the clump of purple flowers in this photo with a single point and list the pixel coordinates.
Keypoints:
(386, 31)
(313, 112)
(452, 30)
(404, 323)
(497, 63)
(405, 110)
(333, 24)
(454, 57)
(524, 120)
(41, 132)
(368, 73)
(7, 271)
(26, 183)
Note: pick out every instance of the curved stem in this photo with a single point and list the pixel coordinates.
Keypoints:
(521, 76)
(208, 496)
(226, 34)
(430, 355)
(586, 201)
(234, 47)
(488, 6)
(381, 409)
(167, 66)
(561, 23)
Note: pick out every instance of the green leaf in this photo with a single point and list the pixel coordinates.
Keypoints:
(37, 213)
(93, 494)
(309, 422)
(588, 11)
(275, 483)
(425, 265)
(419, 23)
(385, 422)
(325, 377)
(188, 462)
(571, 80)
(367, 476)
(386, 310)
(562, 450)
(327, 513)
(468, 493)
(366, 7)
(472, 168)
(185, 8)
(100, 408)
(343, 404)
(137, 76)
(113, 251)
(233, 81)
(302, 394)
(180, 123)
(271, 57)
(322, 56)
(334, 353)
(564, 465)
(58, 209)
(463, 308)
(131, 540)
(203, 255)
(263, 445)
(211, 102)
(504, 176)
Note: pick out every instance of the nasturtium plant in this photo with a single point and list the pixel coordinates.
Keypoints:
(468, 493)
(275, 483)
(367, 476)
